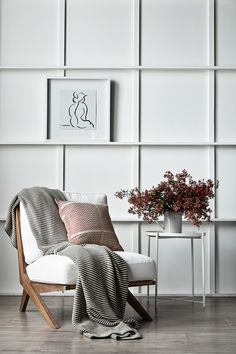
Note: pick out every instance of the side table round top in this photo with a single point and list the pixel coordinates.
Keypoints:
(190, 234)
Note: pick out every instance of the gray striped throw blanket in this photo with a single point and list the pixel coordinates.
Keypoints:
(102, 284)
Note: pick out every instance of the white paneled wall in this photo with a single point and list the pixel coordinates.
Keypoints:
(99, 32)
(172, 103)
(225, 171)
(98, 170)
(225, 105)
(30, 32)
(172, 65)
(26, 166)
(194, 159)
(225, 239)
(9, 266)
(225, 32)
(174, 33)
(23, 105)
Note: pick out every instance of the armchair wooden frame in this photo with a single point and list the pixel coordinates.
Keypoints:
(33, 289)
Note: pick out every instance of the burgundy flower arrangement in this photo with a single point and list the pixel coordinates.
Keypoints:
(176, 193)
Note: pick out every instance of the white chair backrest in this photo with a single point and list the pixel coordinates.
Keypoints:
(31, 250)
(94, 198)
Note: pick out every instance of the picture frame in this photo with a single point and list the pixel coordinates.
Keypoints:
(78, 110)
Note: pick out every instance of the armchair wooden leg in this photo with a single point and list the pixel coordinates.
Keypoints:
(39, 303)
(43, 309)
(24, 301)
(138, 307)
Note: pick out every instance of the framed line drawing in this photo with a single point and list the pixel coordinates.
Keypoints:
(78, 110)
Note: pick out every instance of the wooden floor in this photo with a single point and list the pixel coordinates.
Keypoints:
(178, 328)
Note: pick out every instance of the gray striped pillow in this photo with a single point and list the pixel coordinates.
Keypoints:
(88, 223)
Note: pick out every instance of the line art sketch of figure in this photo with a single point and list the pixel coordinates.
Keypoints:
(78, 112)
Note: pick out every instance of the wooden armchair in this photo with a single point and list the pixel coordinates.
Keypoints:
(40, 274)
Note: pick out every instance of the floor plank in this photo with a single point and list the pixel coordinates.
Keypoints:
(177, 327)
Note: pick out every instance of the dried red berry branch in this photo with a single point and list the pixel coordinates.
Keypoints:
(177, 193)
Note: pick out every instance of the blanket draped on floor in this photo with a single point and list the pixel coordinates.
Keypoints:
(102, 283)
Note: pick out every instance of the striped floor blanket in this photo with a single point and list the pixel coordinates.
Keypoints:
(102, 284)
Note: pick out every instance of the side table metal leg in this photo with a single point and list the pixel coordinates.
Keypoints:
(192, 267)
(148, 256)
(156, 294)
(157, 277)
(203, 271)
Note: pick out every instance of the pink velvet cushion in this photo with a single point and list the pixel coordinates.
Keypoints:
(88, 223)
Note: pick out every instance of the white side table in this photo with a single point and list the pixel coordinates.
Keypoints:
(185, 235)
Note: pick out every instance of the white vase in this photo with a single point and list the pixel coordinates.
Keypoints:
(172, 222)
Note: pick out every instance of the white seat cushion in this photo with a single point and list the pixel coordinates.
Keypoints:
(140, 267)
(61, 269)
(52, 269)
